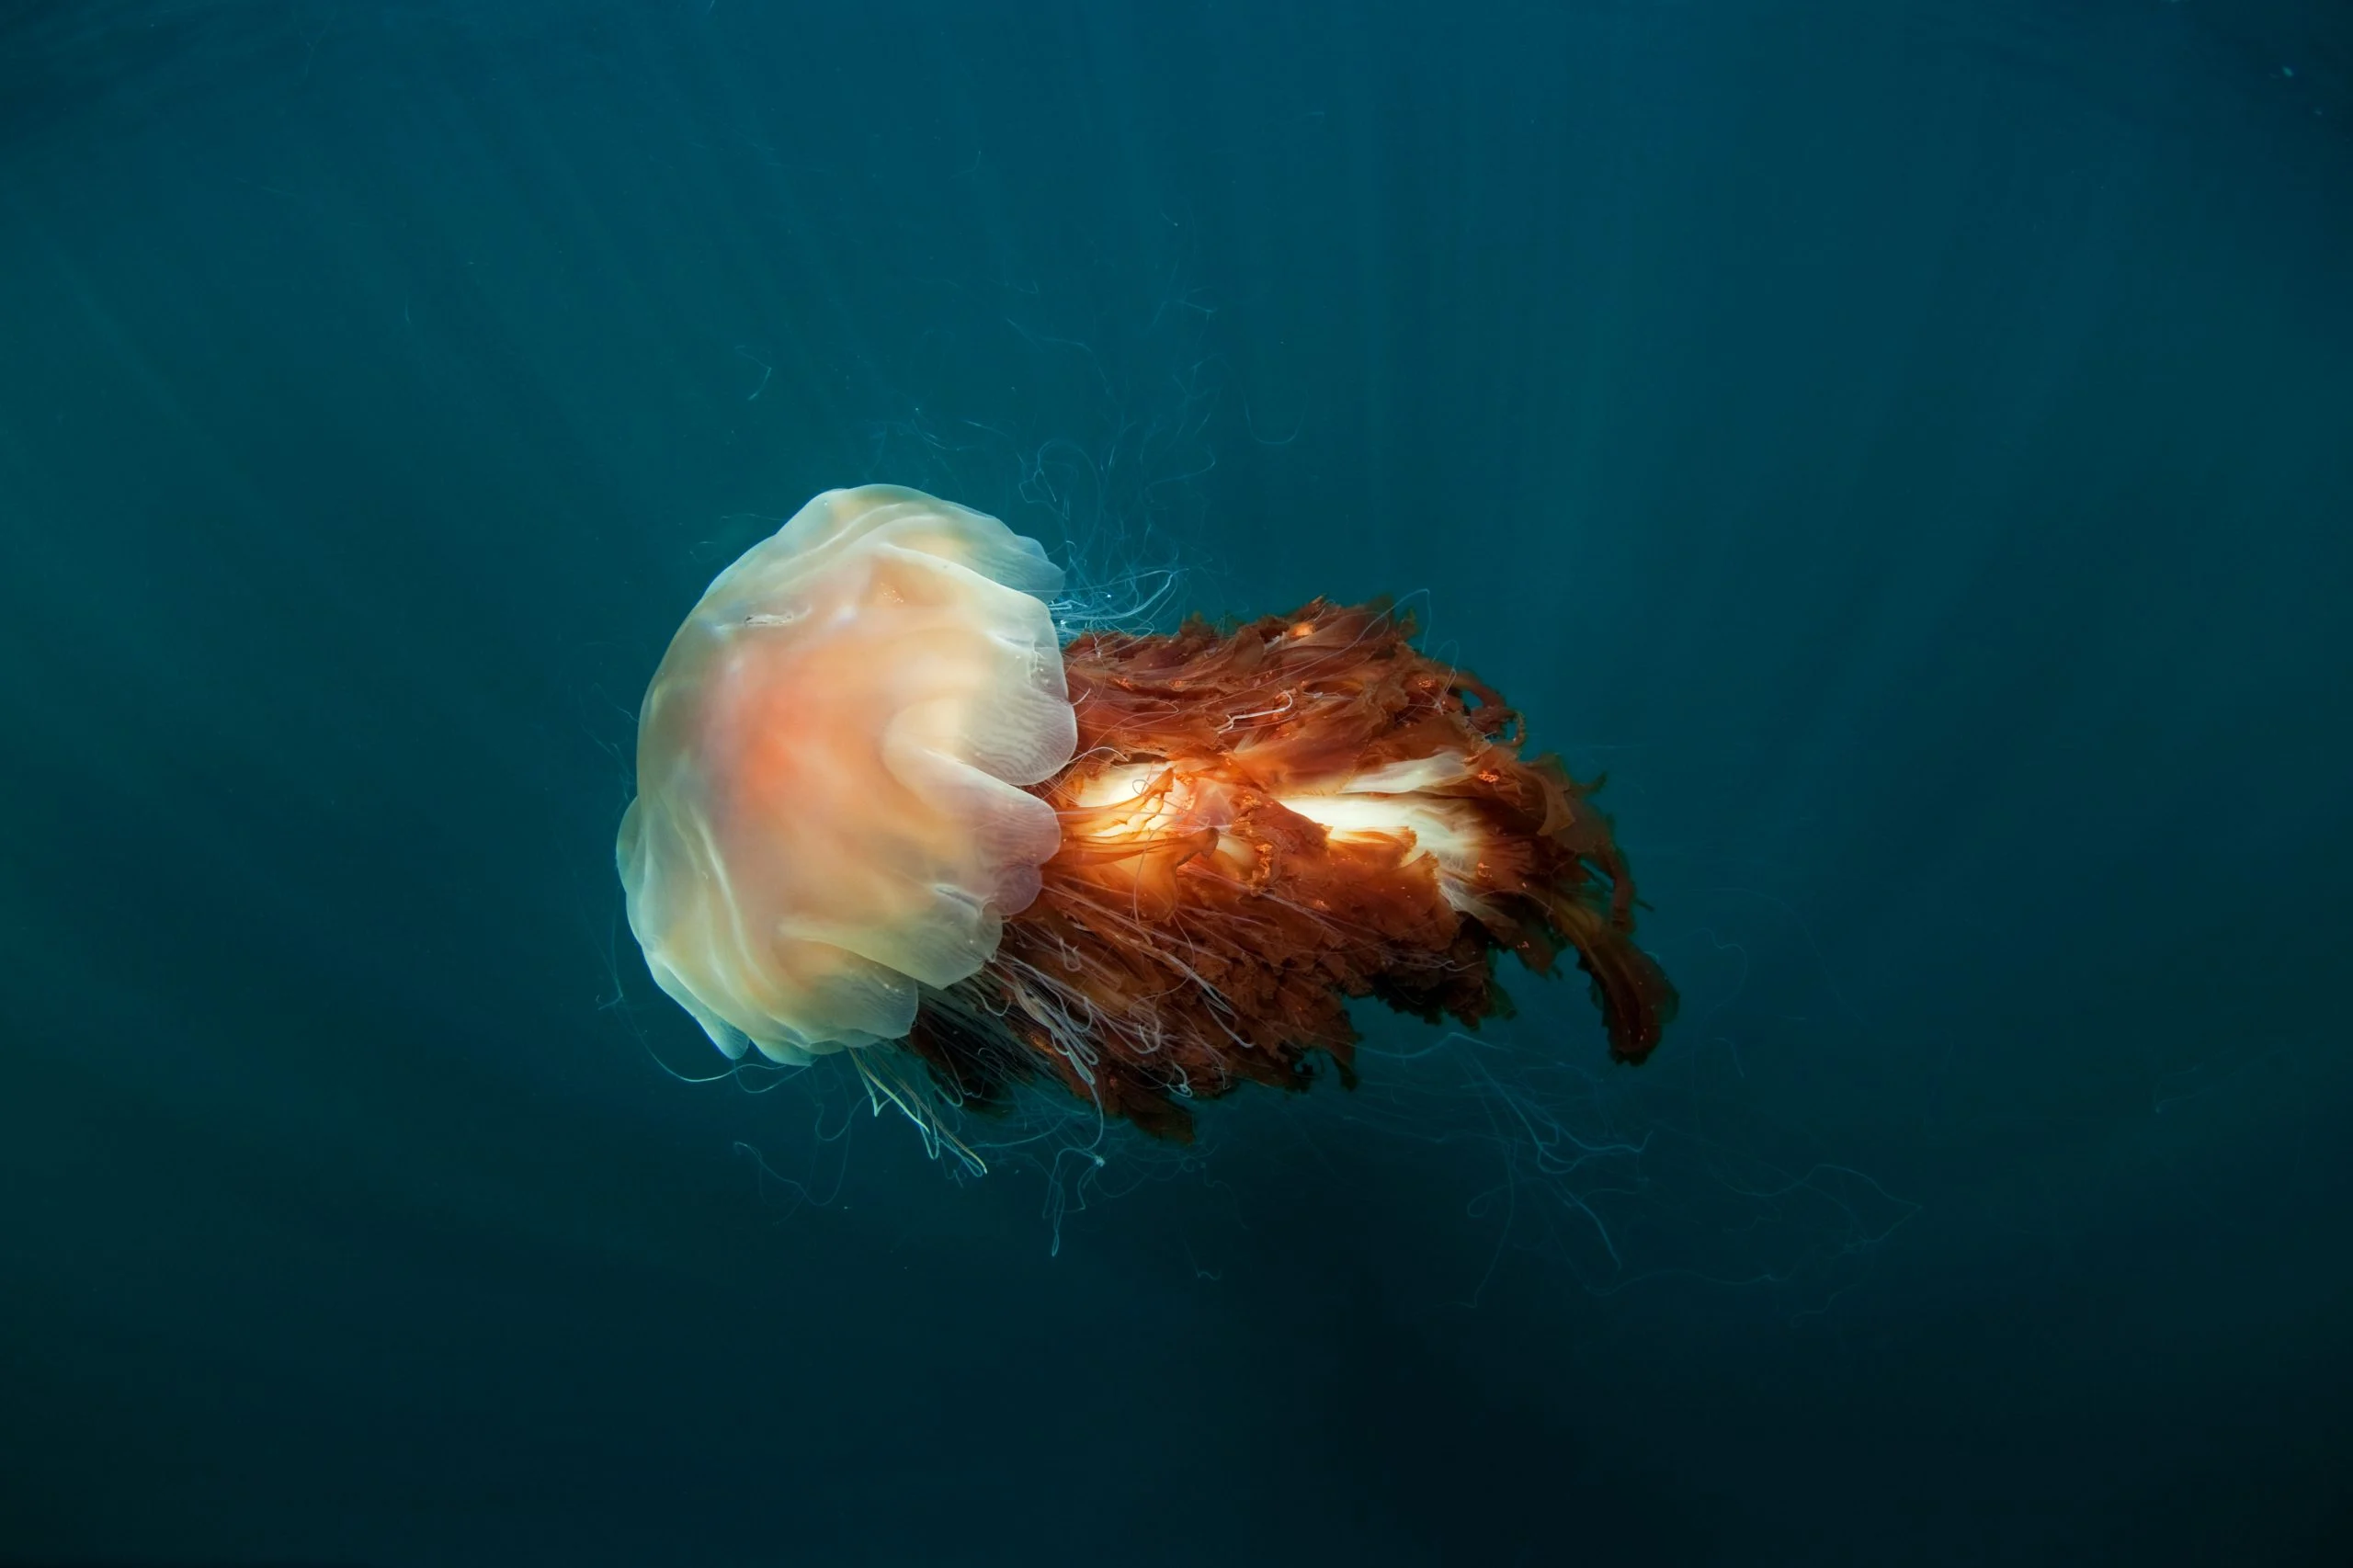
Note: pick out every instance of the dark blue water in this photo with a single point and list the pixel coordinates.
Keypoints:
(1907, 445)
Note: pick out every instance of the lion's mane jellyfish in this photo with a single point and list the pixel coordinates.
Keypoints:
(882, 808)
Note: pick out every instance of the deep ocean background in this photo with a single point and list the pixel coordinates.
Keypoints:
(1908, 443)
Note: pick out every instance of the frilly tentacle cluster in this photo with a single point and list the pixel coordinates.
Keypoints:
(1261, 823)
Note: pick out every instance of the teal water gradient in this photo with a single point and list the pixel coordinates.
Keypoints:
(1905, 445)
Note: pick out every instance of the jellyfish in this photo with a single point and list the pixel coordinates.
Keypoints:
(886, 809)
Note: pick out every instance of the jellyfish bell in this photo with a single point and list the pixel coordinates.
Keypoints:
(885, 808)
(830, 762)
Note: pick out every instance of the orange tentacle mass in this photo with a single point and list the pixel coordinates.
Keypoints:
(1262, 824)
